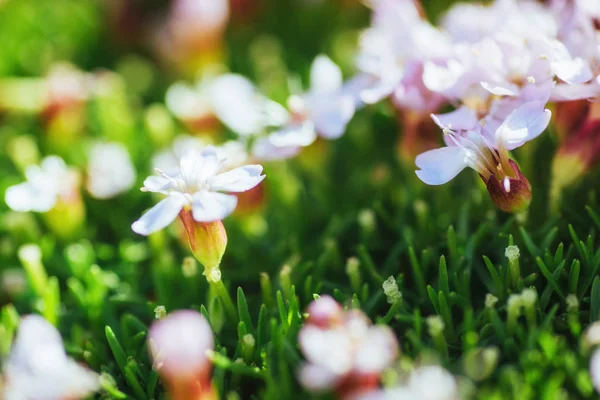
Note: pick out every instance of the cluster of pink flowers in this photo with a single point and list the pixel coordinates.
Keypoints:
(497, 65)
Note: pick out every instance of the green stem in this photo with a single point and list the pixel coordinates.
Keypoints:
(225, 297)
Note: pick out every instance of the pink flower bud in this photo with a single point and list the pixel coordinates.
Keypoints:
(207, 240)
(510, 194)
(570, 116)
(325, 312)
(179, 344)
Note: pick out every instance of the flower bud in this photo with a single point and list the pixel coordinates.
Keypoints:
(511, 194)
(324, 312)
(178, 345)
(570, 116)
(208, 241)
(480, 363)
(390, 288)
(578, 153)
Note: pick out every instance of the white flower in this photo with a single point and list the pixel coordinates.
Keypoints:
(38, 367)
(110, 170)
(338, 345)
(179, 343)
(324, 110)
(239, 105)
(197, 185)
(595, 369)
(430, 382)
(188, 102)
(45, 185)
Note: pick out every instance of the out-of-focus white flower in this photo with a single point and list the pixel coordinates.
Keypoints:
(187, 102)
(324, 110)
(592, 334)
(198, 185)
(595, 369)
(179, 345)
(38, 367)
(110, 170)
(430, 382)
(344, 352)
(239, 105)
(50, 182)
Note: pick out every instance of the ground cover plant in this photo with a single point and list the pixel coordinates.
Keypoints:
(305, 228)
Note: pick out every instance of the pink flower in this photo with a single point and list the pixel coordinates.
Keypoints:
(344, 352)
(179, 345)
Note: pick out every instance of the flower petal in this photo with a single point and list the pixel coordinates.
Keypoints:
(377, 350)
(325, 75)
(157, 184)
(264, 150)
(238, 179)
(439, 166)
(463, 118)
(29, 197)
(505, 89)
(302, 134)
(331, 115)
(212, 206)
(316, 378)
(523, 124)
(159, 216)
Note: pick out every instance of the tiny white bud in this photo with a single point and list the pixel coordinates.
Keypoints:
(352, 265)
(366, 219)
(249, 340)
(30, 253)
(512, 253)
(592, 334)
(573, 304)
(160, 311)
(528, 297)
(390, 288)
(189, 267)
(490, 300)
(531, 79)
(514, 301)
(435, 325)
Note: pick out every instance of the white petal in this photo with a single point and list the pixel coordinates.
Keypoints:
(29, 197)
(197, 168)
(440, 78)
(212, 206)
(328, 348)
(38, 346)
(161, 215)
(463, 118)
(238, 179)
(506, 89)
(439, 166)
(595, 369)
(377, 351)
(331, 115)
(240, 106)
(178, 344)
(523, 124)
(566, 92)
(573, 71)
(325, 75)
(316, 378)
(157, 183)
(264, 150)
(302, 134)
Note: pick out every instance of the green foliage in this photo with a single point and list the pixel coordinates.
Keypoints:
(351, 199)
